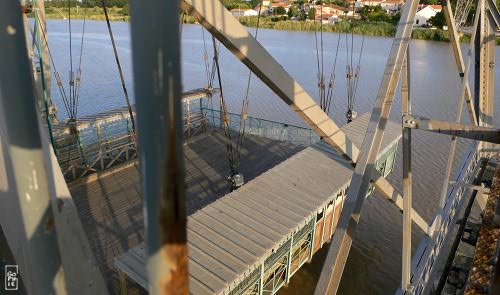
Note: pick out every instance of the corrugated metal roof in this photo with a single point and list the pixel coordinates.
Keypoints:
(232, 236)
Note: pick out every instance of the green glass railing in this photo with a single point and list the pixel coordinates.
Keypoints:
(264, 128)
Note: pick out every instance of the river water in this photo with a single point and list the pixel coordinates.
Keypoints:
(374, 263)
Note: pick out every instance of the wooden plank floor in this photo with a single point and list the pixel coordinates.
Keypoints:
(111, 210)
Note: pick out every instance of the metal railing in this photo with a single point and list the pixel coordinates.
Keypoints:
(103, 144)
(265, 128)
(430, 248)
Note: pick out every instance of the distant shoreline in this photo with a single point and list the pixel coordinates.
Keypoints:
(376, 29)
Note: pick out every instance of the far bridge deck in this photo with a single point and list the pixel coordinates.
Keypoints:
(252, 239)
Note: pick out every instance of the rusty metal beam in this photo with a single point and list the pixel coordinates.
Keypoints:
(157, 80)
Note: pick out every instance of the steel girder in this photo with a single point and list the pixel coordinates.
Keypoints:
(454, 129)
(342, 240)
(235, 37)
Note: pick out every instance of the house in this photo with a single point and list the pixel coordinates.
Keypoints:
(361, 3)
(331, 12)
(389, 6)
(243, 12)
(425, 13)
(264, 11)
(272, 6)
(436, 7)
(392, 6)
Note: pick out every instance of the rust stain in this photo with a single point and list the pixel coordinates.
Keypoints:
(482, 270)
(176, 282)
(173, 218)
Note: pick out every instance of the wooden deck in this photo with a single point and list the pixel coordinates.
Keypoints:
(254, 239)
(110, 206)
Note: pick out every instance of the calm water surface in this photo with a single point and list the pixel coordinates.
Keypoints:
(374, 264)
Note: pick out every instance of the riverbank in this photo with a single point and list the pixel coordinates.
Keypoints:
(359, 27)
(96, 13)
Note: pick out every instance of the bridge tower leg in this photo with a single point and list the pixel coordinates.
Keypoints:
(484, 71)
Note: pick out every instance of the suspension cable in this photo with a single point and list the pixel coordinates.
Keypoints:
(352, 75)
(358, 69)
(223, 110)
(331, 83)
(39, 27)
(322, 81)
(318, 74)
(244, 106)
(59, 83)
(205, 58)
(71, 81)
(119, 66)
(79, 71)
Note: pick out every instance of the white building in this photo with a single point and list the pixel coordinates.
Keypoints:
(243, 12)
(424, 14)
(392, 6)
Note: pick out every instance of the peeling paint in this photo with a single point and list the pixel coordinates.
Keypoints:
(11, 30)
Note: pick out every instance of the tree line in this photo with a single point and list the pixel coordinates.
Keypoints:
(86, 3)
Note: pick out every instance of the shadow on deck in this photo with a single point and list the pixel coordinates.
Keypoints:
(110, 206)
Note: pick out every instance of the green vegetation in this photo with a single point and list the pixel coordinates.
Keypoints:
(94, 13)
(279, 10)
(358, 26)
(311, 14)
(361, 27)
(438, 20)
(86, 3)
(371, 27)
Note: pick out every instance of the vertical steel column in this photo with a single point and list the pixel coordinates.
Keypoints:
(484, 67)
(458, 118)
(342, 241)
(261, 279)
(313, 232)
(289, 261)
(43, 269)
(407, 175)
(455, 45)
(157, 77)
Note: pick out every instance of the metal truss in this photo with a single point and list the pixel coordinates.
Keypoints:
(156, 61)
(454, 129)
(236, 38)
(416, 275)
(461, 12)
